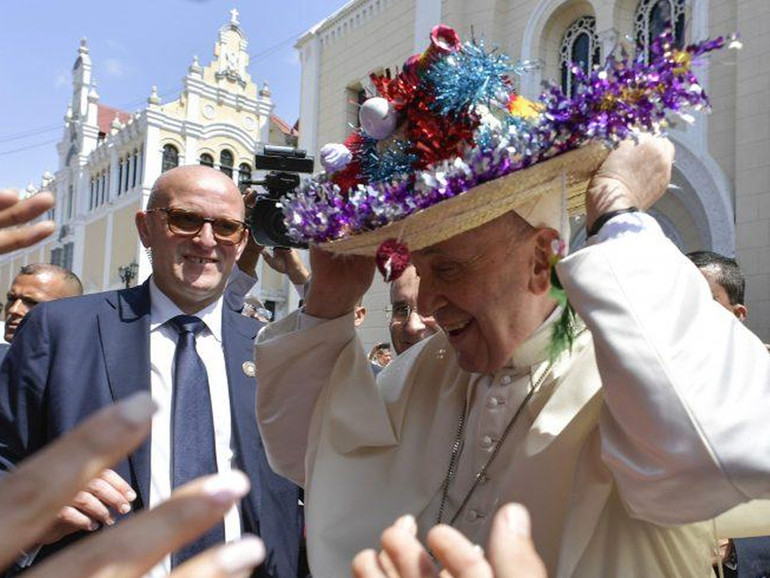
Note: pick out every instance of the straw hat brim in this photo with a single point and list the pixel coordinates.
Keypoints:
(483, 203)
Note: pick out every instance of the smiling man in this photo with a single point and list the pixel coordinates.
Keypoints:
(176, 337)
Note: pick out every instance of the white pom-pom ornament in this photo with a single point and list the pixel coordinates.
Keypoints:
(335, 157)
(377, 117)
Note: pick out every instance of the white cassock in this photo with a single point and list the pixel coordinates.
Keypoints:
(626, 455)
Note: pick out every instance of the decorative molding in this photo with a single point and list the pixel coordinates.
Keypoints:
(713, 191)
(669, 228)
(351, 16)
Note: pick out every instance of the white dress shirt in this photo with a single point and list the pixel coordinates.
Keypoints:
(163, 339)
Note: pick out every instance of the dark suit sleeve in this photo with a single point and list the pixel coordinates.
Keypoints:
(23, 377)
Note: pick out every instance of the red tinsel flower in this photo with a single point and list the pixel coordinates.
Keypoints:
(350, 176)
(435, 137)
(392, 259)
(401, 90)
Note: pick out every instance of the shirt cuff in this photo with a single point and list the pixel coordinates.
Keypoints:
(627, 224)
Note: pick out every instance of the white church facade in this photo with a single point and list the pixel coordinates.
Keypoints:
(109, 159)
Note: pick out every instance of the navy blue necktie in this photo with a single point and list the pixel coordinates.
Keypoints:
(192, 426)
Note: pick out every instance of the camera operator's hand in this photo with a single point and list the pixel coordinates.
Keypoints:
(339, 282)
(287, 262)
(248, 261)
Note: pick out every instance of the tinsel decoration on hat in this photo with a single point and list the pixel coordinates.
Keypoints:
(450, 120)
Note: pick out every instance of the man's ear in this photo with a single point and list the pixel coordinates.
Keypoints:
(740, 311)
(142, 228)
(541, 267)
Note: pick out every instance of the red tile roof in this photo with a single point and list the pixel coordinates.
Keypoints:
(106, 114)
(283, 126)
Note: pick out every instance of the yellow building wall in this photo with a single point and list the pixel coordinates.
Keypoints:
(16, 265)
(94, 245)
(46, 258)
(124, 241)
(5, 281)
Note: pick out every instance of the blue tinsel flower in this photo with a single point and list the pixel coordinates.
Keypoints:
(382, 166)
(468, 77)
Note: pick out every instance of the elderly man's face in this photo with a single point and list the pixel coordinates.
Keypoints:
(407, 325)
(192, 270)
(487, 289)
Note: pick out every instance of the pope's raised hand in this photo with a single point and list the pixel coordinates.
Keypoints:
(337, 283)
(636, 174)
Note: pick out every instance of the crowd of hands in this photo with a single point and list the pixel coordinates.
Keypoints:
(35, 499)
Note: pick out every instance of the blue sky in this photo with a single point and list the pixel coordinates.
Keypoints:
(133, 45)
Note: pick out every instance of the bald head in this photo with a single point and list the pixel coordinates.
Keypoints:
(191, 177)
(190, 262)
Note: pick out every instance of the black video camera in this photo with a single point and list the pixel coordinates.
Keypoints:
(266, 220)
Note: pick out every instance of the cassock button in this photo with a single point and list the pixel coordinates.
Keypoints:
(249, 369)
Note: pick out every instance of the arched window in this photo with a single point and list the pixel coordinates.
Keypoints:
(651, 19)
(226, 162)
(244, 176)
(206, 160)
(170, 159)
(579, 47)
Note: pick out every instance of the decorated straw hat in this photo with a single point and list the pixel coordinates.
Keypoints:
(448, 145)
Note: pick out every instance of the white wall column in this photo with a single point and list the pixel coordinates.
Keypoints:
(427, 14)
(310, 54)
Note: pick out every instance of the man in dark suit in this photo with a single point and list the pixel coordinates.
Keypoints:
(35, 283)
(176, 337)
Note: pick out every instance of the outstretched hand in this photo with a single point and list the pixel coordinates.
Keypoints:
(33, 495)
(510, 552)
(15, 233)
(287, 262)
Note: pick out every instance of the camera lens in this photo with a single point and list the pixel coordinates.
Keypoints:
(268, 227)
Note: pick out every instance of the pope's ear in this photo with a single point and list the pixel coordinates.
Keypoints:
(541, 269)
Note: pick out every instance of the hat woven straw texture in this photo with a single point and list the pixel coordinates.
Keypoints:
(483, 203)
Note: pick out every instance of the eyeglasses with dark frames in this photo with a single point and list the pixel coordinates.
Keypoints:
(400, 311)
(189, 223)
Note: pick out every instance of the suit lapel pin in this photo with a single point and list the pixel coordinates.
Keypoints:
(249, 369)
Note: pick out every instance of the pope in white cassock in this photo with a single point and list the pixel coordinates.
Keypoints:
(631, 448)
